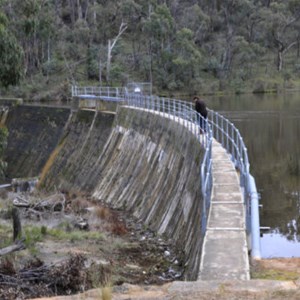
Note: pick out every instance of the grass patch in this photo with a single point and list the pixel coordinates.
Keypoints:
(34, 234)
(5, 235)
(273, 274)
(75, 235)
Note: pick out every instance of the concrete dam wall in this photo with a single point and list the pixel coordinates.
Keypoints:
(134, 160)
(33, 134)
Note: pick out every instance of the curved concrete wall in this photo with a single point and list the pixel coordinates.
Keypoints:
(73, 165)
(151, 167)
(138, 161)
(33, 134)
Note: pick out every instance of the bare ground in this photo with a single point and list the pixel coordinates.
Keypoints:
(120, 257)
(113, 247)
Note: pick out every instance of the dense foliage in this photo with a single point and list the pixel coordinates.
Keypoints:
(3, 144)
(10, 56)
(190, 45)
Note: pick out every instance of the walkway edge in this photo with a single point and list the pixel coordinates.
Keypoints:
(225, 252)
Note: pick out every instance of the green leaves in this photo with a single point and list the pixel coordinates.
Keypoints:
(3, 145)
(11, 56)
(173, 44)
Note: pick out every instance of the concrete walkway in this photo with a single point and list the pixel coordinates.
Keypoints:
(224, 252)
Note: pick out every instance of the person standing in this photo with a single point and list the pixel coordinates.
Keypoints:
(200, 108)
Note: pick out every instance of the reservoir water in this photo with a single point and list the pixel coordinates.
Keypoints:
(270, 126)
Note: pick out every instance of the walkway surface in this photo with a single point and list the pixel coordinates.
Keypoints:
(224, 252)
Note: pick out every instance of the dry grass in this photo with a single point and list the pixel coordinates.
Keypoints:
(106, 293)
(79, 205)
(111, 221)
(102, 213)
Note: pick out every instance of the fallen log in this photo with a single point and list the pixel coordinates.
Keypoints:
(16, 247)
(20, 202)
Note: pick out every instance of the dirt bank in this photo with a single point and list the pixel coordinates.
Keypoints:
(100, 246)
(114, 250)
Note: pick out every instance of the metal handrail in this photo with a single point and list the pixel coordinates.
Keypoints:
(230, 138)
(98, 91)
(185, 113)
(218, 127)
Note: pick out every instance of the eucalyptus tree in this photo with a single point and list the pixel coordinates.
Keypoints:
(11, 55)
(282, 27)
(33, 22)
(159, 31)
(186, 62)
(197, 20)
(132, 13)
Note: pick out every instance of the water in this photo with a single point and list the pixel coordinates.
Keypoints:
(270, 126)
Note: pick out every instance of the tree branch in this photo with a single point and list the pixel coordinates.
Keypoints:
(16, 247)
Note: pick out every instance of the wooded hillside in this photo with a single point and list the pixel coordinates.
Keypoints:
(189, 46)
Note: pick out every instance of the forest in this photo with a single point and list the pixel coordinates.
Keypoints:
(181, 47)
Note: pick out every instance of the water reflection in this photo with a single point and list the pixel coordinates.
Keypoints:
(270, 126)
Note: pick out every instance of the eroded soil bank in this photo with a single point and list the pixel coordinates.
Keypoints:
(74, 244)
(255, 289)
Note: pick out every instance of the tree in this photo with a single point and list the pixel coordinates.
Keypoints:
(187, 59)
(197, 21)
(159, 33)
(282, 24)
(11, 56)
(3, 145)
(110, 46)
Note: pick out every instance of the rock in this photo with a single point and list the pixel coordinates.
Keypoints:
(82, 225)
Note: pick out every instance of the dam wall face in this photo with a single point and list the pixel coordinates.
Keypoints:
(150, 166)
(73, 165)
(134, 160)
(33, 134)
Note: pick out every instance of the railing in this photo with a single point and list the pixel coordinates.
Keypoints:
(96, 91)
(229, 136)
(184, 113)
(217, 127)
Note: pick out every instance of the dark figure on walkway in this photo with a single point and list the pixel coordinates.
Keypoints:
(200, 107)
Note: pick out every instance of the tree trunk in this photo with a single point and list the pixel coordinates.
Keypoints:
(100, 72)
(109, 48)
(72, 12)
(150, 67)
(79, 10)
(279, 60)
(16, 223)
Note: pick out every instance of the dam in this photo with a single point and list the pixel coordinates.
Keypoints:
(148, 162)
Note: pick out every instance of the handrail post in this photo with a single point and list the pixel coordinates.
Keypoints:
(232, 140)
(217, 126)
(255, 227)
(222, 130)
(227, 137)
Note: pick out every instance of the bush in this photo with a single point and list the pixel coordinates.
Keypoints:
(259, 87)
